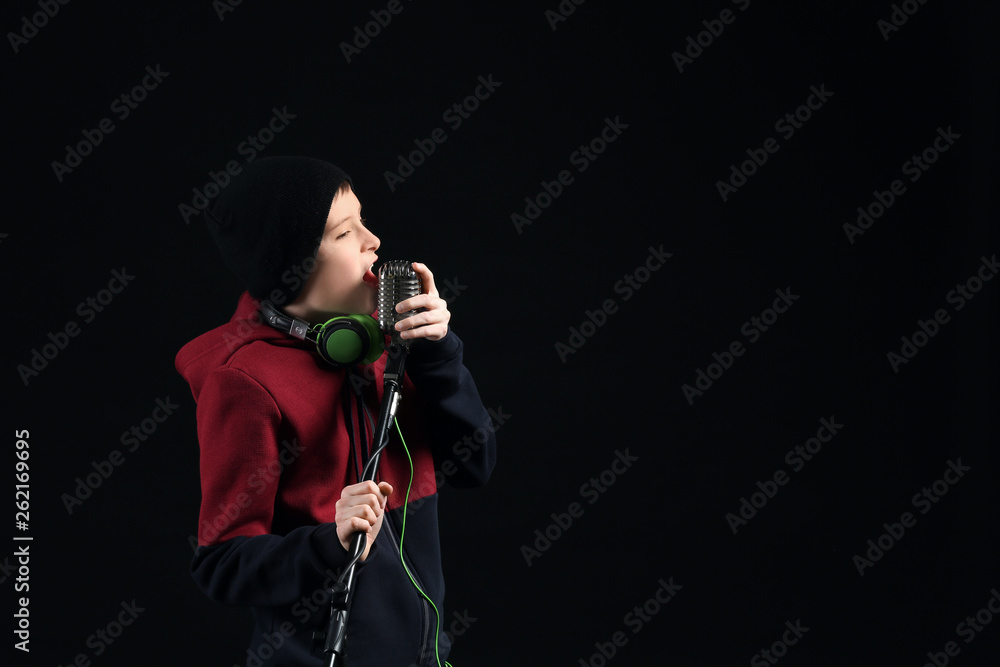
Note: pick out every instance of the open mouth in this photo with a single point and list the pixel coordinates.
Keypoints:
(370, 277)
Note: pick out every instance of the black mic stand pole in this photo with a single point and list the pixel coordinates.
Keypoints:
(340, 593)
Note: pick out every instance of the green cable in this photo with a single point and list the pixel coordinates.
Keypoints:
(402, 533)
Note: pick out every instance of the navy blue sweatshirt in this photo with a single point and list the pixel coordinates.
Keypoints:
(274, 429)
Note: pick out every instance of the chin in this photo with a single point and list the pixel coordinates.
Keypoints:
(368, 302)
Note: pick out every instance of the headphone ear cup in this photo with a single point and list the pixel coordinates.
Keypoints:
(350, 339)
(375, 337)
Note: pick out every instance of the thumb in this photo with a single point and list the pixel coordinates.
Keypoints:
(386, 489)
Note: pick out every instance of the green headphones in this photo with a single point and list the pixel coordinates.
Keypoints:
(345, 340)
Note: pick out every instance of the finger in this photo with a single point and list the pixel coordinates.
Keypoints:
(353, 523)
(359, 525)
(367, 506)
(430, 332)
(386, 489)
(371, 501)
(364, 511)
(359, 489)
(434, 316)
(366, 492)
(428, 301)
(433, 331)
(426, 278)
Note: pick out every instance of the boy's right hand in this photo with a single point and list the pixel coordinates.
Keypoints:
(360, 510)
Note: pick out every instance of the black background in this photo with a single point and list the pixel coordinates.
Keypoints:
(665, 516)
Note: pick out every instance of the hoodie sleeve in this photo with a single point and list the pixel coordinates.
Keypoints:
(459, 427)
(238, 561)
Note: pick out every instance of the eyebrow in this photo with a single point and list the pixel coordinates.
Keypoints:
(345, 220)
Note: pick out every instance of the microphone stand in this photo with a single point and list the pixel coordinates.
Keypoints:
(340, 593)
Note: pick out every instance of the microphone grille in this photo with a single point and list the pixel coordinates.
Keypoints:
(397, 281)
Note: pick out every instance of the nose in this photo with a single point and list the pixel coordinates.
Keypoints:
(373, 243)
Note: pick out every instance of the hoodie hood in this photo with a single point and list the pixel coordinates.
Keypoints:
(215, 348)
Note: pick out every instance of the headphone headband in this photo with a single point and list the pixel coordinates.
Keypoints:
(342, 341)
(289, 325)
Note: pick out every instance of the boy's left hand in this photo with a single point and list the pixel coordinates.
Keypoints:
(432, 322)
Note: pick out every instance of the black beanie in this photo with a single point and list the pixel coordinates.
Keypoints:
(270, 219)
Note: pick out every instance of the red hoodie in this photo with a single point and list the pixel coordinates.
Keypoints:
(274, 423)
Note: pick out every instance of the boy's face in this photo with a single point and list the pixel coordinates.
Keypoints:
(342, 281)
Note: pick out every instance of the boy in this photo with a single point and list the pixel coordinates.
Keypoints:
(284, 435)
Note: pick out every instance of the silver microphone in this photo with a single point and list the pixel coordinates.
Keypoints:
(397, 281)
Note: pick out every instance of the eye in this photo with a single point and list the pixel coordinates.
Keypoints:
(345, 233)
